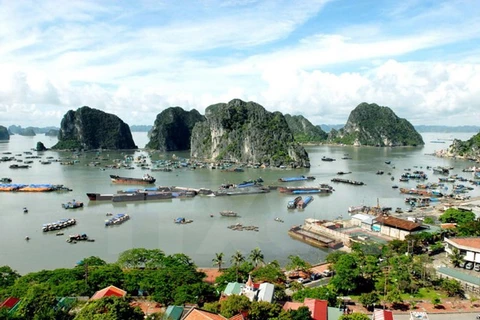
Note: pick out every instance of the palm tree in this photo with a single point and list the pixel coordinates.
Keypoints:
(237, 259)
(218, 260)
(456, 258)
(256, 256)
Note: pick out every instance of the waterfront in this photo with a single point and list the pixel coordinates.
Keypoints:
(151, 224)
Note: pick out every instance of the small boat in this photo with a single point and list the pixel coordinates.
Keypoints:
(388, 162)
(292, 204)
(72, 204)
(25, 210)
(5, 180)
(228, 213)
(327, 159)
(278, 219)
(27, 238)
(117, 219)
(342, 172)
(182, 220)
(394, 187)
(59, 234)
(380, 172)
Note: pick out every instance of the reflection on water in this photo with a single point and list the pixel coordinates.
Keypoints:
(151, 224)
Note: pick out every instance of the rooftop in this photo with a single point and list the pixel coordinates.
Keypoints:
(109, 291)
(472, 242)
(398, 223)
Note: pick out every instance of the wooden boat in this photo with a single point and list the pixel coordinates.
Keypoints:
(293, 203)
(228, 213)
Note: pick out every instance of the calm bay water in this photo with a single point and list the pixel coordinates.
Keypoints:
(151, 224)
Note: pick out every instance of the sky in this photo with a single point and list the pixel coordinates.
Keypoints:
(316, 58)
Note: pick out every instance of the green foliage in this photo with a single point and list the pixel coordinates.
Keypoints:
(4, 135)
(218, 260)
(347, 274)
(92, 262)
(452, 215)
(452, 287)
(322, 293)
(70, 144)
(233, 305)
(304, 131)
(429, 220)
(354, 316)
(297, 263)
(261, 310)
(141, 258)
(271, 272)
(39, 303)
(256, 257)
(436, 301)
(469, 229)
(302, 313)
(109, 308)
(369, 299)
(7, 277)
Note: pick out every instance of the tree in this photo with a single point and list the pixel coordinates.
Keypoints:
(322, 293)
(347, 274)
(233, 305)
(436, 301)
(7, 276)
(302, 313)
(469, 229)
(218, 260)
(452, 287)
(270, 273)
(297, 263)
(141, 258)
(369, 300)
(110, 308)
(334, 256)
(457, 216)
(354, 316)
(260, 310)
(236, 260)
(256, 257)
(92, 262)
(456, 258)
(40, 303)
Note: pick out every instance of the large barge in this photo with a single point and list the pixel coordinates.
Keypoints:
(299, 178)
(241, 191)
(347, 181)
(323, 188)
(146, 179)
(312, 238)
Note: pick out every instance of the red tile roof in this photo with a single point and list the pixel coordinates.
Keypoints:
(379, 314)
(237, 317)
(318, 308)
(473, 242)
(398, 223)
(148, 307)
(198, 314)
(9, 303)
(108, 292)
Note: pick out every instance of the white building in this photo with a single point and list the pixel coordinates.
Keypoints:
(469, 247)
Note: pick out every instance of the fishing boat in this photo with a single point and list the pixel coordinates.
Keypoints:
(5, 180)
(72, 205)
(146, 179)
(228, 213)
(293, 203)
(299, 178)
(302, 204)
(352, 182)
(327, 159)
(117, 219)
(182, 220)
(323, 188)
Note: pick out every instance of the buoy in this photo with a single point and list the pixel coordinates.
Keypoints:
(27, 238)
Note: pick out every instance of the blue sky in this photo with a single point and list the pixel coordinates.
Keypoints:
(318, 58)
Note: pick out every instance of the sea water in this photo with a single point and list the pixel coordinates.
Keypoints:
(152, 223)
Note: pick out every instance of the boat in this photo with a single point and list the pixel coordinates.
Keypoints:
(72, 205)
(19, 166)
(388, 162)
(5, 180)
(278, 219)
(79, 237)
(117, 219)
(228, 213)
(293, 203)
(441, 170)
(60, 224)
(327, 159)
(25, 210)
(299, 178)
(146, 179)
(234, 191)
(323, 188)
(99, 196)
(380, 172)
(342, 172)
(302, 204)
(182, 220)
(352, 182)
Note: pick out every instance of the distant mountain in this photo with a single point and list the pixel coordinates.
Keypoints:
(4, 135)
(140, 128)
(14, 129)
(303, 130)
(328, 127)
(469, 149)
(374, 125)
(447, 129)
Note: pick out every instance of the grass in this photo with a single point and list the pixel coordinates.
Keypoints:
(424, 294)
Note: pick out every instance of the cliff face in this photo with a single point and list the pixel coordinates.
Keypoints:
(466, 149)
(172, 129)
(303, 130)
(246, 132)
(4, 135)
(89, 128)
(372, 125)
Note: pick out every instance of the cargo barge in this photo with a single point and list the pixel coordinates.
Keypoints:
(146, 179)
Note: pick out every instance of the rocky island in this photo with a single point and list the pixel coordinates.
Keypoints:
(89, 128)
(469, 149)
(304, 131)
(373, 125)
(172, 129)
(4, 135)
(246, 132)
